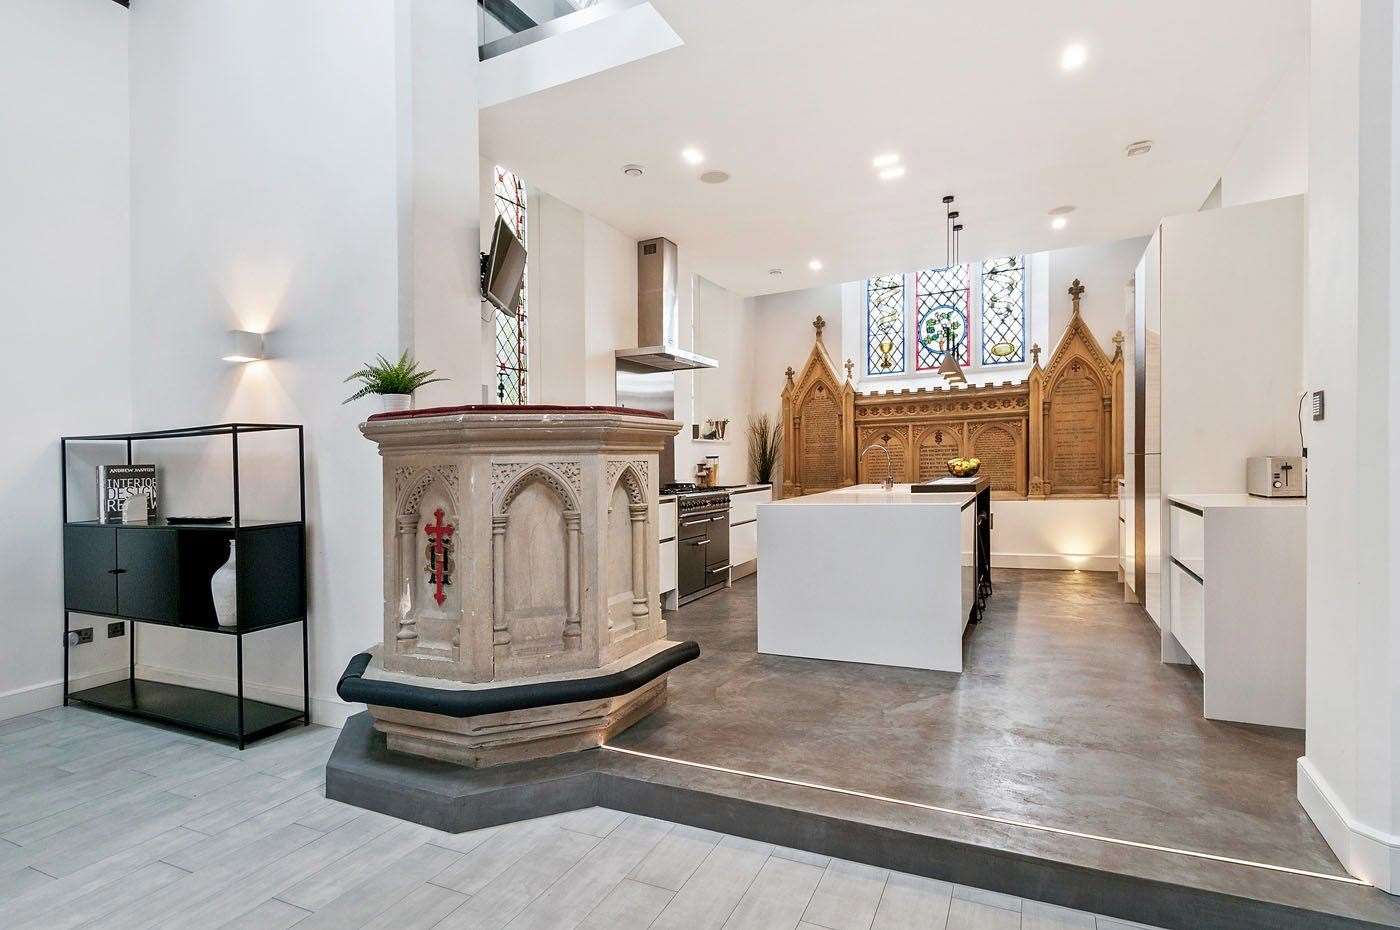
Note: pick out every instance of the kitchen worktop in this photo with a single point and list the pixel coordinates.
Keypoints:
(876, 494)
(1235, 499)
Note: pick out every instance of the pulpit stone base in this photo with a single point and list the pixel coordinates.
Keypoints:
(517, 736)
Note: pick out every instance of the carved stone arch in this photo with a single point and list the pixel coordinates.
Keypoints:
(541, 472)
(627, 529)
(536, 603)
(419, 627)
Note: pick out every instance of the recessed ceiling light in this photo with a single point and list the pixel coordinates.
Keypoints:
(1059, 222)
(1061, 211)
(1073, 57)
(776, 272)
(715, 177)
(1140, 147)
(886, 160)
(889, 174)
(815, 264)
(633, 171)
(693, 155)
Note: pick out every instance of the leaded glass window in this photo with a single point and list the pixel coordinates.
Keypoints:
(884, 325)
(941, 299)
(1004, 311)
(512, 356)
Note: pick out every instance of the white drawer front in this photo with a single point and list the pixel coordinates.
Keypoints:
(1188, 539)
(1188, 606)
(668, 566)
(743, 543)
(744, 507)
(666, 521)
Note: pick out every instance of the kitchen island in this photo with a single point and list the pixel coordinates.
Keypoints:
(862, 574)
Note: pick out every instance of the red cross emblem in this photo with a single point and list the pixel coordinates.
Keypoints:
(441, 535)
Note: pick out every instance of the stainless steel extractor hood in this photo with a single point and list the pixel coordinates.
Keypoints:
(658, 326)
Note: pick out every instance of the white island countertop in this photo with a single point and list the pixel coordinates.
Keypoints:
(876, 494)
(861, 574)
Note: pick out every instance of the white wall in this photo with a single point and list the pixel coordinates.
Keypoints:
(269, 144)
(1272, 158)
(1349, 780)
(64, 284)
(1105, 271)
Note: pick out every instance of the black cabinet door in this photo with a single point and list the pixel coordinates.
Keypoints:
(717, 558)
(149, 584)
(89, 566)
(690, 565)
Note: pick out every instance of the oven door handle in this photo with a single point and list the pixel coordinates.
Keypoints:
(695, 522)
(719, 518)
(703, 542)
(714, 571)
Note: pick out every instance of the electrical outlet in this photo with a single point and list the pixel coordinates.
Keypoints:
(116, 629)
(84, 635)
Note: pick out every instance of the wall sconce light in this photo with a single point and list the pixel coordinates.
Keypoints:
(244, 346)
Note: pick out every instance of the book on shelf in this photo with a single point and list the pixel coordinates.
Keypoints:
(127, 493)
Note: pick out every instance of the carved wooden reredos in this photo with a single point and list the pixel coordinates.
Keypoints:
(1059, 433)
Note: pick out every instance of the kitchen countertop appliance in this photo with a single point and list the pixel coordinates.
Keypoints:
(702, 537)
(1277, 476)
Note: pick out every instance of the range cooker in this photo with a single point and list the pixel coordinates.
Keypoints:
(702, 540)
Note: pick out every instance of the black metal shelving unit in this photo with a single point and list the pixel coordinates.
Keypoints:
(158, 573)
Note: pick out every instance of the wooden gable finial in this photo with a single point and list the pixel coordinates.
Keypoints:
(1117, 344)
(850, 367)
(819, 324)
(1035, 354)
(790, 373)
(1076, 291)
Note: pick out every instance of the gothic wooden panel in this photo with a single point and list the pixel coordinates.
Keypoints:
(1002, 449)
(819, 436)
(936, 446)
(1075, 457)
(871, 466)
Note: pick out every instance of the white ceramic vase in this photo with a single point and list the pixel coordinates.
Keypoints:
(393, 403)
(223, 587)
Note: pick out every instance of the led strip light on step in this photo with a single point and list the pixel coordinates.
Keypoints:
(849, 792)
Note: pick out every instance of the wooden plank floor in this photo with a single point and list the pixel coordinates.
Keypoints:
(111, 823)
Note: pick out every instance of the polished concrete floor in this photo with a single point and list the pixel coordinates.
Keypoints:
(1063, 717)
(108, 823)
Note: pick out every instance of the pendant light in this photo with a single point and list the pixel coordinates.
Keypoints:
(949, 368)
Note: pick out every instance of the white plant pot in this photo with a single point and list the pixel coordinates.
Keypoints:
(223, 587)
(393, 403)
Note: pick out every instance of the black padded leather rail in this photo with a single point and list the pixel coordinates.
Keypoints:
(355, 688)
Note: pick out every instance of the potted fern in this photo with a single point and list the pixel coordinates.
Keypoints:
(392, 382)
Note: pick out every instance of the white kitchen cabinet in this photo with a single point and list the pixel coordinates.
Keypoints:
(1237, 602)
(743, 528)
(666, 525)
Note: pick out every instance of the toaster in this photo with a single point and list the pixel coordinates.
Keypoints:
(1277, 476)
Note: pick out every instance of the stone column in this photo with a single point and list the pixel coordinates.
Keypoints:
(638, 513)
(407, 526)
(573, 626)
(500, 633)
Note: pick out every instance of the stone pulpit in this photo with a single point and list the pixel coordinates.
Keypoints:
(521, 608)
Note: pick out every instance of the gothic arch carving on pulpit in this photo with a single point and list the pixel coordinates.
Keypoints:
(627, 533)
(426, 526)
(535, 563)
(818, 425)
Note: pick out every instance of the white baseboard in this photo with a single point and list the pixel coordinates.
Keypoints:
(1053, 560)
(1368, 854)
(329, 712)
(48, 694)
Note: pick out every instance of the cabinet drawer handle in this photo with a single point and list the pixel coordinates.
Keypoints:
(703, 542)
(715, 571)
(116, 571)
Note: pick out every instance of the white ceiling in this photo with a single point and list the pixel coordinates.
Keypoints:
(795, 97)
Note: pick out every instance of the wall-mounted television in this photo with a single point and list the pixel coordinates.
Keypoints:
(503, 269)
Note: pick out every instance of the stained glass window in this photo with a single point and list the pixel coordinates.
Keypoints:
(1004, 311)
(884, 325)
(941, 299)
(512, 357)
